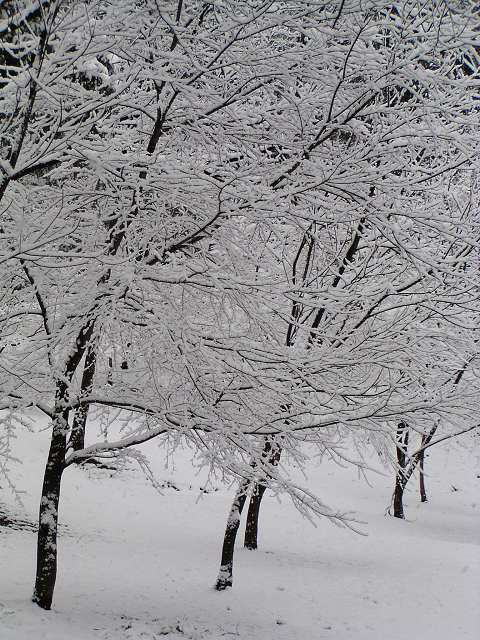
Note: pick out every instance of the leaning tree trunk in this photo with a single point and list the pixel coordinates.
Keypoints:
(48, 514)
(400, 481)
(251, 529)
(225, 575)
(77, 437)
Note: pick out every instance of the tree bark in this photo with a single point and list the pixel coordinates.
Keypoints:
(77, 437)
(225, 575)
(48, 513)
(398, 511)
(271, 453)
(400, 480)
(421, 463)
(251, 529)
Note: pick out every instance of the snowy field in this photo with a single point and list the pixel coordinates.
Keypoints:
(136, 565)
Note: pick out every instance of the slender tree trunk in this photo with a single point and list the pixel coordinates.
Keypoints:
(421, 463)
(405, 471)
(398, 498)
(77, 437)
(271, 453)
(400, 480)
(251, 529)
(48, 513)
(225, 575)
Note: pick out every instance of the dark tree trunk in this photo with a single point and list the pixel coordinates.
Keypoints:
(271, 455)
(421, 463)
(225, 575)
(251, 529)
(398, 498)
(48, 513)
(77, 437)
(400, 479)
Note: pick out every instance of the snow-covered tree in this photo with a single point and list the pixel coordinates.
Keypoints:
(235, 221)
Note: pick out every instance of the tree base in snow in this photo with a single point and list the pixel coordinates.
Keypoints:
(251, 546)
(224, 579)
(222, 585)
(43, 603)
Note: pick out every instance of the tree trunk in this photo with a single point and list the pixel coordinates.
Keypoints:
(271, 453)
(48, 513)
(77, 437)
(251, 529)
(398, 498)
(225, 575)
(421, 462)
(400, 481)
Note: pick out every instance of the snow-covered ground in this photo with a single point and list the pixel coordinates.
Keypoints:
(134, 564)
